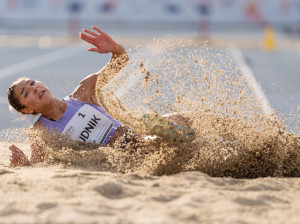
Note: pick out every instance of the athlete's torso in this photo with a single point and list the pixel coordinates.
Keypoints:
(84, 122)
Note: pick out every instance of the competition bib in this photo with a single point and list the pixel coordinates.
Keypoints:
(88, 125)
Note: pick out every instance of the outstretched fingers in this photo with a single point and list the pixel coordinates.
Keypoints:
(93, 49)
(90, 32)
(98, 30)
(86, 38)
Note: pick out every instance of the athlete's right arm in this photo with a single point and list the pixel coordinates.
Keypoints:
(103, 43)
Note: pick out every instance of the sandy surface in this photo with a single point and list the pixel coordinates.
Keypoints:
(58, 194)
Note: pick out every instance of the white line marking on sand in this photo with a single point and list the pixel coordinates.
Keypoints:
(38, 61)
(239, 59)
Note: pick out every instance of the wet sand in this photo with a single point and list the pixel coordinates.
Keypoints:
(60, 194)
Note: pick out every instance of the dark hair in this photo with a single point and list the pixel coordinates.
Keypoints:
(13, 101)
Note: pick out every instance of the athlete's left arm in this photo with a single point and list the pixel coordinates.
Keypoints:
(103, 43)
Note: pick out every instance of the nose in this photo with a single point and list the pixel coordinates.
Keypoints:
(34, 88)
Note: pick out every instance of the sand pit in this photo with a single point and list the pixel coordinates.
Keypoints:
(243, 167)
(59, 194)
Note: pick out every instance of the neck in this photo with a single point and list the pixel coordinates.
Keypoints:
(55, 109)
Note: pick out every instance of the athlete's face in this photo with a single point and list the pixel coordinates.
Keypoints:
(32, 94)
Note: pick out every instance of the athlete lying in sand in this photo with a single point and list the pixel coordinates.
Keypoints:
(78, 115)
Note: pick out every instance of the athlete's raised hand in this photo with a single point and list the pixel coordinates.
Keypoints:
(103, 42)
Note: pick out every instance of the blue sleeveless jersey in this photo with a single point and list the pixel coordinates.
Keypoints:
(84, 122)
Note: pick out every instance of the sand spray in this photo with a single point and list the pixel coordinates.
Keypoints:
(199, 87)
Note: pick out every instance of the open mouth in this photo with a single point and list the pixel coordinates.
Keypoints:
(42, 93)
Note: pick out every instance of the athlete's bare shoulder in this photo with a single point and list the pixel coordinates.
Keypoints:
(38, 125)
(85, 91)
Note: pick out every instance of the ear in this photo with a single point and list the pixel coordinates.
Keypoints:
(27, 110)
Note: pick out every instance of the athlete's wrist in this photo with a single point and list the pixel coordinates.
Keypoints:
(118, 49)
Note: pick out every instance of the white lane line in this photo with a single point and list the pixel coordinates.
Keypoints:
(39, 61)
(239, 59)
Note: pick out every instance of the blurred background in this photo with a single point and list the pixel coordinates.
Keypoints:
(60, 17)
(38, 38)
